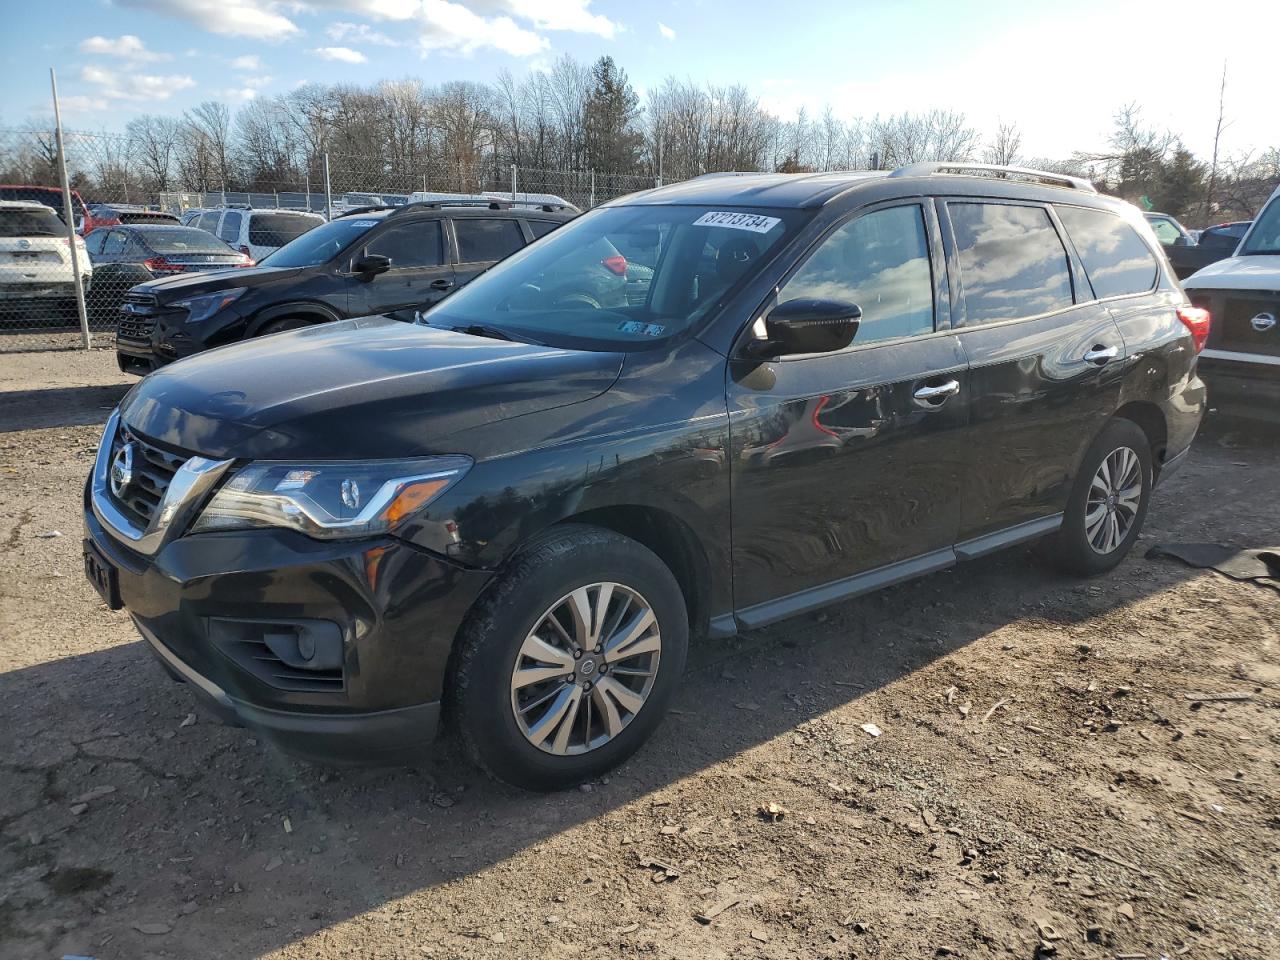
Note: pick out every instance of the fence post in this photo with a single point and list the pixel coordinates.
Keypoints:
(593, 190)
(328, 190)
(76, 281)
(513, 183)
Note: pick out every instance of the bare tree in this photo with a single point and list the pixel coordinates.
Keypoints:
(1003, 150)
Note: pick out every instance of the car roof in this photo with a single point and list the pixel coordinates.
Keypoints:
(811, 190)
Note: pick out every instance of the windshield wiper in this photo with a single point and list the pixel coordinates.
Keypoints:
(493, 333)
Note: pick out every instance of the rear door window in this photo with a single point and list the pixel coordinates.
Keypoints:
(482, 239)
(1116, 259)
(414, 244)
(541, 228)
(1012, 262)
(230, 229)
(277, 229)
(209, 221)
(880, 261)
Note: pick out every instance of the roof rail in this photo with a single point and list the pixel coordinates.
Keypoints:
(960, 167)
(483, 204)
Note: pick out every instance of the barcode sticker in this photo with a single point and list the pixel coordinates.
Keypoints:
(738, 221)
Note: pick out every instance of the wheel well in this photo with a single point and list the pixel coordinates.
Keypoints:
(311, 318)
(675, 544)
(1150, 419)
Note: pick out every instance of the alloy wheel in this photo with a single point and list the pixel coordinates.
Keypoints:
(586, 669)
(1115, 495)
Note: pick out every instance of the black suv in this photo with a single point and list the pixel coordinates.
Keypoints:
(374, 260)
(518, 512)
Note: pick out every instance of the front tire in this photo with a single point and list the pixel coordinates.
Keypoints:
(568, 664)
(1108, 501)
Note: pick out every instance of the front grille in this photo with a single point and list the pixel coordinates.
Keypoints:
(153, 469)
(137, 318)
(1233, 312)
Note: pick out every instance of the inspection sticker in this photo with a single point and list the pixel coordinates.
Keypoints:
(738, 221)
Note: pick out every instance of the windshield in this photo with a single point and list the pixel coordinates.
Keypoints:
(1265, 235)
(184, 240)
(620, 277)
(31, 223)
(319, 245)
(277, 229)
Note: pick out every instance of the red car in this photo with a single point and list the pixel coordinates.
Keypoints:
(52, 197)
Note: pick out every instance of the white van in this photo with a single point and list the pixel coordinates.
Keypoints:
(257, 233)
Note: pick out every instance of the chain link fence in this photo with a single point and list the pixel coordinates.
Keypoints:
(123, 187)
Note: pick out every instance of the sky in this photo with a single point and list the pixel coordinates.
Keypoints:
(1058, 70)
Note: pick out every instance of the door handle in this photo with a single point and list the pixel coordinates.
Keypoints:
(1100, 354)
(939, 393)
(441, 284)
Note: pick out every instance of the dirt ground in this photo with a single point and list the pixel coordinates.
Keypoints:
(1051, 779)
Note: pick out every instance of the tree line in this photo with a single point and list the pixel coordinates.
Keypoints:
(405, 135)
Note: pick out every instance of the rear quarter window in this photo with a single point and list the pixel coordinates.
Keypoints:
(1115, 258)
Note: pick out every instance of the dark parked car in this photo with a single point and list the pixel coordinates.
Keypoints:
(1242, 361)
(518, 512)
(113, 214)
(375, 261)
(124, 256)
(1215, 243)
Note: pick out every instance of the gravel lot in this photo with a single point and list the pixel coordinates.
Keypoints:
(1045, 783)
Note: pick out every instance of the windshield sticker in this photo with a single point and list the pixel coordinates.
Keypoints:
(364, 223)
(642, 329)
(738, 221)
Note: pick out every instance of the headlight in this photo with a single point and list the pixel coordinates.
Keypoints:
(331, 499)
(206, 305)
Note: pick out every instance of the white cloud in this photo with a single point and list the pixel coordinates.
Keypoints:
(82, 104)
(126, 47)
(247, 90)
(359, 33)
(115, 85)
(259, 19)
(453, 28)
(570, 15)
(341, 54)
(250, 61)
(666, 31)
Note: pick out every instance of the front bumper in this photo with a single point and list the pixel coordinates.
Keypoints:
(396, 607)
(1242, 387)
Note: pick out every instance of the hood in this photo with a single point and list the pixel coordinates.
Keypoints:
(1254, 272)
(356, 389)
(191, 284)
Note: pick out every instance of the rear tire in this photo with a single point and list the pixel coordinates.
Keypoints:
(287, 323)
(609, 699)
(1108, 501)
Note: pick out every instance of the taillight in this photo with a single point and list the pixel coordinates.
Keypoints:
(247, 261)
(161, 265)
(616, 264)
(1197, 320)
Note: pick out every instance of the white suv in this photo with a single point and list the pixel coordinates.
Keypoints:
(1241, 362)
(36, 276)
(257, 233)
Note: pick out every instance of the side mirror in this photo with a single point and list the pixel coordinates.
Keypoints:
(808, 325)
(370, 266)
(1181, 241)
(79, 227)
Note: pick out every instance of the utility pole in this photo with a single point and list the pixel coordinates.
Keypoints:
(77, 282)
